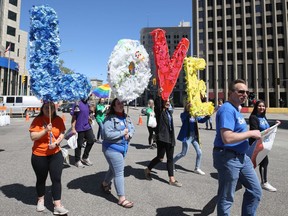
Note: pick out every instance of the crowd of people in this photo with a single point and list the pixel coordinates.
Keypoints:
(115, 130)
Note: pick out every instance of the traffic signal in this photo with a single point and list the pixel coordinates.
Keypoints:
(278, 81)
(23, 79)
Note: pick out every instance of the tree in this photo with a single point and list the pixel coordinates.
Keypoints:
(64, 69)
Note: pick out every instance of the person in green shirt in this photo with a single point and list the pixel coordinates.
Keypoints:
(151, 130)
(100, 113)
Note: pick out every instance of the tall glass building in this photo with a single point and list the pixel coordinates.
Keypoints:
(245, 39)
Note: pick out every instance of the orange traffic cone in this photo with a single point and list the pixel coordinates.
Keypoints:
(64, 118)
(140, 121)
(27, 117)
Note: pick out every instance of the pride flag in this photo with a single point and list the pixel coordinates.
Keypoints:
(102, 91)
(260, 148)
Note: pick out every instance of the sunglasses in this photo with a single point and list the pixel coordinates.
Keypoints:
(242, 91)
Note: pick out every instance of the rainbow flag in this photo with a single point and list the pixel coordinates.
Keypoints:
(102, 91)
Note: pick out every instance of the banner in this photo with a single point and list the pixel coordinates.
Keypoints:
(260, 148)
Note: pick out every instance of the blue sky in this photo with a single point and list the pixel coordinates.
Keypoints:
(89, 29)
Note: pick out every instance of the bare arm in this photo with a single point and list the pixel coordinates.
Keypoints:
(229, 136)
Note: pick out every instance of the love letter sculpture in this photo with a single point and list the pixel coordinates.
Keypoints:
(168, 69)
(195, 88)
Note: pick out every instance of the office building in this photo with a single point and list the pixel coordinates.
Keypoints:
(173, 37)
(13, 47)
(243, 39)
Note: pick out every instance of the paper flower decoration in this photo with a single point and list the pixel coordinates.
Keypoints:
(195, 88)
(47, 81)
(128, 70)
(168, 70)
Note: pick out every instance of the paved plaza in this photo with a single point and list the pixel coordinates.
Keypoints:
(82, 195)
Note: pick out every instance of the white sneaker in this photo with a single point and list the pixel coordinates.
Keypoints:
(60, 210)
(40, 207)
(268, 187)
(79, 164)
(87, 162)
(199, 171)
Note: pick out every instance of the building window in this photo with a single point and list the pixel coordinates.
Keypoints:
(248, 9)
(258, 9)
(229, 34)
(210, 24)
(240, 71)
(230, 56)
(250, 56)
(12, 15)
(259, 43)
(281, 54)
(210, 13)
(269, 19)
(13, 2)
(230, 73)
(210, 35)
(12, 48)
(201, 36)
(201, 14)
(210, 2)
(238, 21)
(220, 57)
(281, 42)
(259, 31)
(201, 25)
(238, 10)
(211, 57)
(219, 23)
(261, 78)
(220, 34)
(239, 56)
(239, 33)
(229, 22)
(250, 75)
(239, 44)
(219, 12)
(248, 21)
(260, 55)
(249, 32)
(271, 75)
(11, 31)
(219, 2)
(249, 44)
(279, 6)
(270, 55)
(228, 11)
(211, 46)
(268, 7)
(229, 45)
(280, 30)
(220, 77)
(270, 42)
(220, 46)
(279, 18)
(258, 20)
(270, 31)
(211, 77)
(228, 1)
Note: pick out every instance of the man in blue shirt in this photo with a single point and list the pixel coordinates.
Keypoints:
(229, 158)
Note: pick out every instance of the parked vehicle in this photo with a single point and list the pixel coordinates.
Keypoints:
(67, 108)
(60, 108)
(19, 104)
(144, 111)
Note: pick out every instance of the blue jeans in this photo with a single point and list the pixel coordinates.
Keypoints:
(99, 134)
(232, 167)
(185, 147)
(115, 160)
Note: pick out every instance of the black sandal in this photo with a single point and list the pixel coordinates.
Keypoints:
(126, 204)
(106, 189)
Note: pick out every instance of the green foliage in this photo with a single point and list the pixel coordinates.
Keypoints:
(64, 69)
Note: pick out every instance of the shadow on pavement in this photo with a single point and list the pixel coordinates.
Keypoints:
(27, 195)
(84, 183)
(139, 146)
(175, 210)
